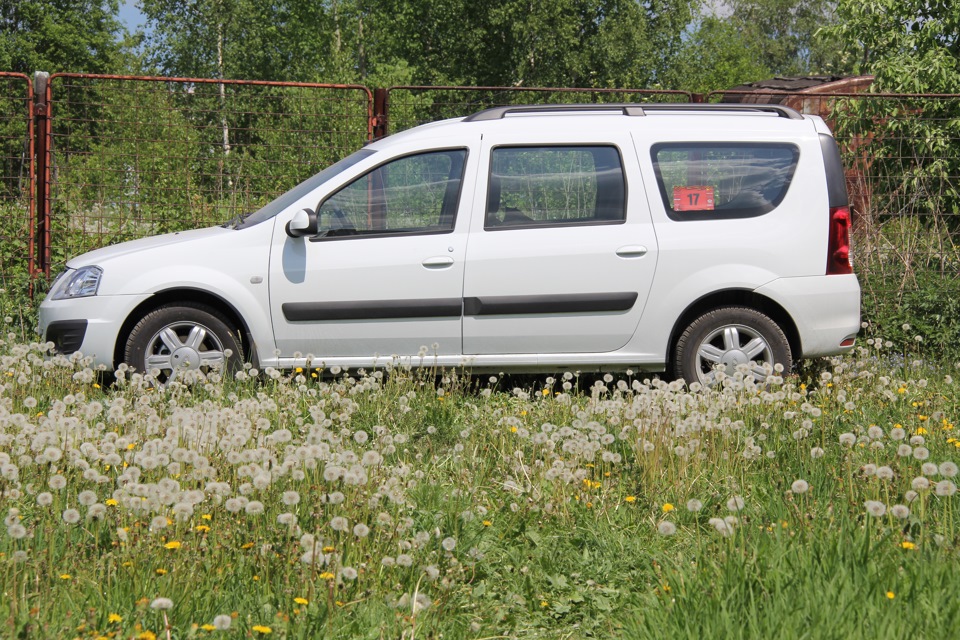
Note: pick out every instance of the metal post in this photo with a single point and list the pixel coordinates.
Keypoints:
(41, 130)
(380, 107)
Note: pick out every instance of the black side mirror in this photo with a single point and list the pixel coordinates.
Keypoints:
(303, 223)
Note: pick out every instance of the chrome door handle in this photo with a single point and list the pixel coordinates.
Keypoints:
(632, 251)
(438, 262)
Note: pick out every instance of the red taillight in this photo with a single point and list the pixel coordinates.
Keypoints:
(838, 249)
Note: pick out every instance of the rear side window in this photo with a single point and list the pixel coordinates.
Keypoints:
(709, 181)
(555, 186)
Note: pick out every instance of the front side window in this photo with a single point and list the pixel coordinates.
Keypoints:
(415, 194)
(555, 186)
(708, 181)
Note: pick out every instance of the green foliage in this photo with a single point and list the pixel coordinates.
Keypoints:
(60, 35)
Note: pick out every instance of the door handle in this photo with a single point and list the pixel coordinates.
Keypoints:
(632, 251)
(438, 262)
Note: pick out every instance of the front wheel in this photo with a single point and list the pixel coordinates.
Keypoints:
(725, 338)
(180, 337)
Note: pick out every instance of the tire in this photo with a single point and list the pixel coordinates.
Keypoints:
(730, 336)
(183, 336)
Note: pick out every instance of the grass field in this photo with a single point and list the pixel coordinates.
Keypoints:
(397, 504)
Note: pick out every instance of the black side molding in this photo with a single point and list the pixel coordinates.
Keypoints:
(563, 303)
(373, 310)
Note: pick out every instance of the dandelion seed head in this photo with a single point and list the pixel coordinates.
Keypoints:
(222, 622)
(71, 516)
(799, 486)
(162, 604)
(735, 503)
(666, 528)
(875, 508)
(900, 511)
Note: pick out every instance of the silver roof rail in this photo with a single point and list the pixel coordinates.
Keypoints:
(632, 109)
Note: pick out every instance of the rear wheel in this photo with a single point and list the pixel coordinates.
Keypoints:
(180, 337)
(727, 337)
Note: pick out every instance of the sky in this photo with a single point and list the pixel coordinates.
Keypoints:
(130, 15)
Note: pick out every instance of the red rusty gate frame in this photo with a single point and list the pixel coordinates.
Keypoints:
(32, 113)
(45, 116)
(382, 97)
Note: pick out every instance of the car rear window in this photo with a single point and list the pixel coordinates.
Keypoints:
(709, 180)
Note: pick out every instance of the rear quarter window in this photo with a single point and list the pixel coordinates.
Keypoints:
(711, 181)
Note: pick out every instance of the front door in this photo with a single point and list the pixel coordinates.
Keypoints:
(384, 276)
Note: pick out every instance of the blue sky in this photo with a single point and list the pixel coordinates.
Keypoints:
(130, 15)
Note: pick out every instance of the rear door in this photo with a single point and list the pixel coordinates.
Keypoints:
(562, 251)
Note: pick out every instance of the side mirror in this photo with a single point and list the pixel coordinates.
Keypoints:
(303, 223)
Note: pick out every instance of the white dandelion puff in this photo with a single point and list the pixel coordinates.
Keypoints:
(900, 511)
(666, 528)
(799, 486)
(875, 508)
(162, 604)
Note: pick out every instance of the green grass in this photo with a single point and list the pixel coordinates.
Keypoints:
(483, 511)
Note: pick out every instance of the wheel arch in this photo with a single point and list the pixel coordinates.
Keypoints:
(198, 296)
(734, 297)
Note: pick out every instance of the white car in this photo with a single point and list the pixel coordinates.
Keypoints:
(591, 237)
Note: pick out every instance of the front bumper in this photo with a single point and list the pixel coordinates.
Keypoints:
(89, 326)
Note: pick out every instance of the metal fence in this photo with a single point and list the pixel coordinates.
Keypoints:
(403, 107)
(17, 179)
(902, 156)
(90, 160)
(128, 157)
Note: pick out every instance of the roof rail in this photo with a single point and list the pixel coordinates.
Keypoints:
(631, 109)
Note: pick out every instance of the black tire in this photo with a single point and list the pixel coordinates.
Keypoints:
(730, 336)
(183, 335)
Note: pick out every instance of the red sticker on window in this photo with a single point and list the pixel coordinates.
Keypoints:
(698, 198)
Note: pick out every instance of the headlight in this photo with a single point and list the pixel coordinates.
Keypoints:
(82, 283)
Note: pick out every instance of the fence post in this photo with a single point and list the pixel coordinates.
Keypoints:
(380, 102)
(41, 132)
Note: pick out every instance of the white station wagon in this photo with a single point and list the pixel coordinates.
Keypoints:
(680, 238)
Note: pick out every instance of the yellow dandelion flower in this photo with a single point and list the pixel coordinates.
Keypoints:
(487, 523)
(128, 563)
(513, 429)
(328, 549)
(114, 617)
(339, 603)
(631, 499)
(206, 516)
(160, 572)
(65, 576)
(326, 575)
(906, 544)
(208, 627)
(667, 507)
(246, 545)
(147, 635)
(299, 370)
(546, 392)
(202, 528)
(173, 544)
(131, 446)
(303, 601)
(902, 390)
(259, 628)
(891, 595)
(544, 603)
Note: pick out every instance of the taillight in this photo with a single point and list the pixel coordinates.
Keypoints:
(838, 250)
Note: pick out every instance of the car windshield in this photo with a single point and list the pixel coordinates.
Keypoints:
(276, 206)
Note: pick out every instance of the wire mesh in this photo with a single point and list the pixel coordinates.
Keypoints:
(137, 156)
(409, 106)
(902, 159)
(16, 181)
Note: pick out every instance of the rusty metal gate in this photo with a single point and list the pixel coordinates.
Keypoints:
(125, 157)
(402, 107)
